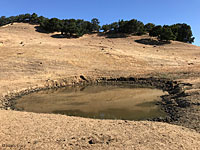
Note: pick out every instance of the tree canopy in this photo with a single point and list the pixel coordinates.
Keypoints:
(177, 32)
(148, 27)
(166, 34)
(133, 26)
(79, 27)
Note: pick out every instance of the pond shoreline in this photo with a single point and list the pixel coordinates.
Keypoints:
(174, 104)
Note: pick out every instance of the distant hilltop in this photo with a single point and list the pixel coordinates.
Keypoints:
(78, 27)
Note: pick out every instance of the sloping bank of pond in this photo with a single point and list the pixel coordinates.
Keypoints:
(174, 103)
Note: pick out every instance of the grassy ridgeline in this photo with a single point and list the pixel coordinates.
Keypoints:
(79, 27)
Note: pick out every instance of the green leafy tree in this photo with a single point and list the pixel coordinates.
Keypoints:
(42, 20)
(166, 34)
(11, 19)
(156, 31)
(175, 29)
(21, 18)
(185, 34)
(3, 21)
(133, 27)
(114, 26)
(140, 29)
(95, 24)
(81, 26)
(34, 19)
(106, 28)
(89, 26)
(121, 24)
(148, 27)
(27, 18)
(70, 27)
(52, 25)
(182, 32)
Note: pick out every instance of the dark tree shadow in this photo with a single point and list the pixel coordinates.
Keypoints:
(149, 41)
(113, 35)
(39, 29)
(107, 35)
(64, 36)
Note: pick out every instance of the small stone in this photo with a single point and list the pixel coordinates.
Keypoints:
(91, 141)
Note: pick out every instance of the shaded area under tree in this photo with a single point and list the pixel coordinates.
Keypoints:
(149, 41)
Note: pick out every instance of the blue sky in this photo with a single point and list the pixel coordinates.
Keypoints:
(108, 11)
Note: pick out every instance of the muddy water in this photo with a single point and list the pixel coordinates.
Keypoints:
(103, 102)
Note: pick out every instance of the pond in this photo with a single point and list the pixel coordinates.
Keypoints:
(96, 101)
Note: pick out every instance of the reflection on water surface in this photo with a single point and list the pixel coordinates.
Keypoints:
(96, 101)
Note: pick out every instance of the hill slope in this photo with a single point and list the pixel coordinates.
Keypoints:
(25, 52)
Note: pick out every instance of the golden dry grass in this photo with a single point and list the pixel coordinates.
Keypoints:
(29, 58)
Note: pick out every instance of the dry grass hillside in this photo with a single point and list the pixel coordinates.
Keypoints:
(29, 59)
(28, 56)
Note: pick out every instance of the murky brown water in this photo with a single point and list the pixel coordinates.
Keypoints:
(104, 102)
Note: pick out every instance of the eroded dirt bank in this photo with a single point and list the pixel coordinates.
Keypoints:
(177, 103)
(32, 61)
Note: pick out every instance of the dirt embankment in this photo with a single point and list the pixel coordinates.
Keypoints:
(32, 61)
